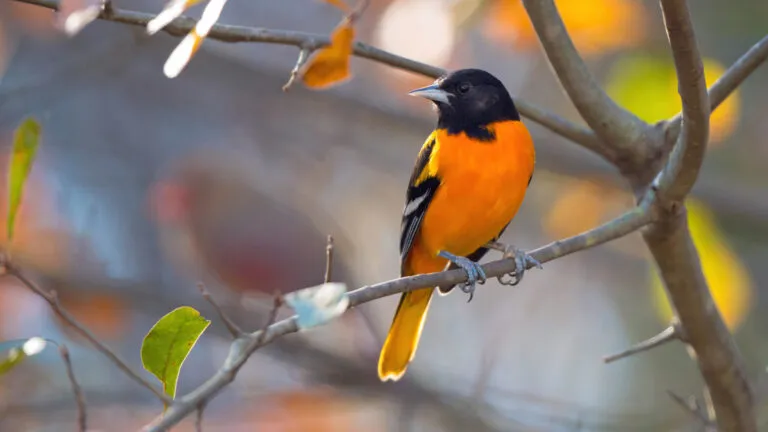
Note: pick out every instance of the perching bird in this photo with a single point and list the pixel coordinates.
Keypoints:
(470, 178)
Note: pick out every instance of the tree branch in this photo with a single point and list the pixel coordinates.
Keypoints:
(729, 82)
(673, 332)
(310, 42)
(616, 126)
(670, 242)
(53, 301)
(718, 357)
(242, 348)
(682, 168)
(82, 419)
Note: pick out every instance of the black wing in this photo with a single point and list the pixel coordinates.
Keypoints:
(420, 192)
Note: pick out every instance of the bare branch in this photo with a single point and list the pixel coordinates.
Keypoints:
(230, 33)
(233, 328)
(729, 82)
(717, 355)
(53, 301)
(682, 168)
(303, 55)
(278, 302)
(691, 406)
(244, 347)
(199, 418)
(612, 123)
(329, 260)
(673, 332)
(82, 419)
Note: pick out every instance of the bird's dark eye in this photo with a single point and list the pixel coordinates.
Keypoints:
(463, 87)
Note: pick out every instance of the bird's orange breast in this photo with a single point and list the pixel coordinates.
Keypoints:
(482, 184)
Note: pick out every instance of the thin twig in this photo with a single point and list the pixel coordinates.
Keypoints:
(682, 168)
(729, 81)
(278, 302)
(612, 123)
(82, 419)
(303, 54)
(53, 301)
(691, 406)
(233, 328)
(230, 33)
(673, 332)
(199, 417)
(244, 347)
(328, 260)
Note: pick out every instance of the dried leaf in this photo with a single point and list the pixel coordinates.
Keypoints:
(26, 140)
(168, 344)
(183, 53)
(172, 10)
(317, 305)
(74, 15)
(330, 65)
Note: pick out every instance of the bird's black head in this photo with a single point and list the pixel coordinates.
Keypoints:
(468, 100)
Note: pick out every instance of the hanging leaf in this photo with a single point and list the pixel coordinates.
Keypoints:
(184, 52)
(317, 305)
(74, 15)
(14, 352)
(168, 344)
(26, 140)
(330, 65)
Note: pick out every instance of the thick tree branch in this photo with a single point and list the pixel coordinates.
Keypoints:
(310, 42)
(613, 124)
(729, 82)
(682, 168)
(670, 242)
(718, 357)
(242, 348)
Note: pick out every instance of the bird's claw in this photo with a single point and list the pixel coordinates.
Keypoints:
(522, 262)
(475, 273)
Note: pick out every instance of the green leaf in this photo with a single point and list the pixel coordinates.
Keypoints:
(26, 139)
(168, 344)
(16, 351)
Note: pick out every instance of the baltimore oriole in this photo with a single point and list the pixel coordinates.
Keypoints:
(470, 178)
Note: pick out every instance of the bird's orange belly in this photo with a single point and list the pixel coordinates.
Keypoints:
(464, 215)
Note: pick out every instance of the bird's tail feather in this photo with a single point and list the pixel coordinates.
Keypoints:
(403, 338)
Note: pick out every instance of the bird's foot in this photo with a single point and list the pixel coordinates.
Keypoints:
(475, 272)
(522, 262)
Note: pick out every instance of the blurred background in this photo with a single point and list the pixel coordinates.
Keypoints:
(133, 167)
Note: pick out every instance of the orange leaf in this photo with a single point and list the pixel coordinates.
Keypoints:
(330, 65)
(338, 4)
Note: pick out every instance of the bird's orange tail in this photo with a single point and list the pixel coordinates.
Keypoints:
(404, 334)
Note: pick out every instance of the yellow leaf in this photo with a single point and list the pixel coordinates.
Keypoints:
(729, 281)
(647, 86)
(26, 139)
(330, 65)
(596, 26)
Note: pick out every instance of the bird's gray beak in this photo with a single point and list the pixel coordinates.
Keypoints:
(433, 93)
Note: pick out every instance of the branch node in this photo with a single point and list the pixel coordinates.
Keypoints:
(691, 406)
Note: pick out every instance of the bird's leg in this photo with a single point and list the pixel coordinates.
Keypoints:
(475, 272)
(522, 261)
